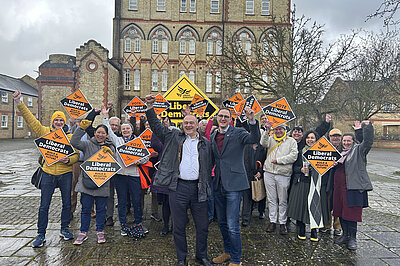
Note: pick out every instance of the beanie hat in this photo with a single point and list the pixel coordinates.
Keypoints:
(58, 114)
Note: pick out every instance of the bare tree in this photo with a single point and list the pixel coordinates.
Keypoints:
(291, 61)
(387, 10)
(372, 84)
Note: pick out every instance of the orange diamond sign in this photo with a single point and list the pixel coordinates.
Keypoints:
(322, 155)
(76, 104)
(231, 102)
(279, 112)
(132, 151)
(100, 167)
(53, 146)
(251, 102)
(146, 138)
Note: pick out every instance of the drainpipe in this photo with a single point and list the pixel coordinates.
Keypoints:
(13, 119)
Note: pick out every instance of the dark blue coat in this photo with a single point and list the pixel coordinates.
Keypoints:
(229, 164)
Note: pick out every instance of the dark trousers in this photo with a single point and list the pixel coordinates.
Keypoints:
(248, 205)
(123, 184)
(180, 201)
(87, 203)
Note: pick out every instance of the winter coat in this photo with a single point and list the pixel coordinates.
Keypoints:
(285, 154)
(168, 168)
(251, 156)
(356, 162)
(89, 148)
(58, 168)
(131, 170)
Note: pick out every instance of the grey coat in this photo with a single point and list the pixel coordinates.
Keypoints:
(90, 147)
(356, 162)
(168, 168)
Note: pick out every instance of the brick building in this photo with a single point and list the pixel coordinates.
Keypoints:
(157, 41)
(154, 43)
(12, 123)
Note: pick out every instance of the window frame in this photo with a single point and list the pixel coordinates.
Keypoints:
(210, 47)
(164, 46)
(20, 122)
(164, 80)
(4, 97)
(192, 46)
(154, 80)
(127, 79)
(182, 47)
(218, 47)
(128, 45)
(265, 12)
(161, 5)
(249, 8)
(191, 75)
(136, 79)
(4, 121)
(218, 81)
(132, 5)
(136, 45)
(30, 101)
(183, 8)
(209, 76)
(216, 8)
(192, 6)
(154, 46)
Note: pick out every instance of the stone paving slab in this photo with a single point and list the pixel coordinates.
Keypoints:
(378, 237)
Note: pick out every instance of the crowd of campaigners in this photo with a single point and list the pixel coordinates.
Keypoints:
(206, 168)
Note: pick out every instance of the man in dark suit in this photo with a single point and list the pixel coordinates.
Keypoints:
(230, 179)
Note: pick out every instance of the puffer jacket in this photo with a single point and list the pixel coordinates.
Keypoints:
(285, 154)
(58, 168)
(89, 148)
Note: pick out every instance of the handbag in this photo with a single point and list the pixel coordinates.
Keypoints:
(257, 186)
(257, 189)
(36, 179)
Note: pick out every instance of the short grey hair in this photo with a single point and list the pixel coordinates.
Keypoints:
(115, 118)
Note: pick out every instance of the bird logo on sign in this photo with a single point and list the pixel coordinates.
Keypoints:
(182, 91)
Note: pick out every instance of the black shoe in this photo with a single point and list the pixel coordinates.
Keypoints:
(204, 261)
(181, 263)
(109, 221)
(261, 216)
(342, 240)
(283, 229)
(352, 244)
(164, 232)
(245, 223)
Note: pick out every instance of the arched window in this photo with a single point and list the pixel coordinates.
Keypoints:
(132, 33)
(160, 37)
(187, 36)
(213, 38)
(244, 39)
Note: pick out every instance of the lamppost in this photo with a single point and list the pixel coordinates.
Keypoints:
(39, 96)
(74, 69)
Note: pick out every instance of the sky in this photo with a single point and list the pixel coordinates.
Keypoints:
(31, 30)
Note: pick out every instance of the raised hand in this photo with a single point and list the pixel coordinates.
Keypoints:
(149, 99)
(104, 111)
(17, 97)
(249, 113)
(357, 125)
(328, 118)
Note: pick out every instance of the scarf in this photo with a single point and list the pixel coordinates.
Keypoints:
(281, 138)
(344, 155)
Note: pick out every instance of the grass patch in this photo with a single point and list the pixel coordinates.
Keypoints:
(396, 173)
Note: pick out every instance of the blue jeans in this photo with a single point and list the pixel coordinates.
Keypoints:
(123, 184)
(87, 203)
(227, 206)
(47, 187)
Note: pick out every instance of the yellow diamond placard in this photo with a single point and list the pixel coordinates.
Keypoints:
(279, 112)
(76, 104)
(180, 95)
(322, 155)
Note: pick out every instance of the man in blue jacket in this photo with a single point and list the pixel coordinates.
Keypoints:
(230, 179)
(185, 168)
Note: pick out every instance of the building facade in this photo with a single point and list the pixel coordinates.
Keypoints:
(157, 41)
(12, 123)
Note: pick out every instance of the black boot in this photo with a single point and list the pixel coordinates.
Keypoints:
(302, 230)
(352, 244)
(345, 235)
(314, 235)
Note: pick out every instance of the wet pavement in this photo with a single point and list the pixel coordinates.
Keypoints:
(378, 237)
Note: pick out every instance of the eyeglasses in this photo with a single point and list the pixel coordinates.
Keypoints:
(224, 116)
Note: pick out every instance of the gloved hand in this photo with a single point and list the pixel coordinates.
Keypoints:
(107, 149)
(85, 124)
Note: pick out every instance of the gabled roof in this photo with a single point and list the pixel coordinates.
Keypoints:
(11, 84)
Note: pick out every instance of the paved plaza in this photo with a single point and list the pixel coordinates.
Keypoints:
(378, 237)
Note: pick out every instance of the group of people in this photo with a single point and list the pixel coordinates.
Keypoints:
(207, 168)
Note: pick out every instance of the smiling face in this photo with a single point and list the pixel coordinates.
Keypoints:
(297, 135)
(310, 139)
(190, 125)
(58, 123)
(223, 118)
(347, 142)
(335, 140)
(279, 132)
(100, 134)
(126, 130)
(114, 123)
